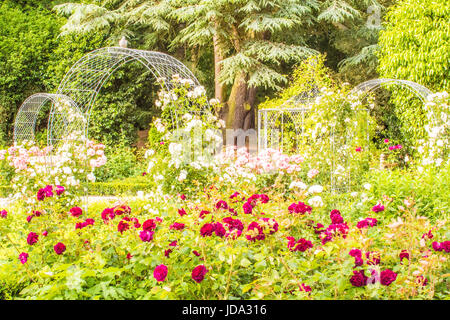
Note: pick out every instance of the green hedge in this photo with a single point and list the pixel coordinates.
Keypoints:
(127, 186)
(117, 188)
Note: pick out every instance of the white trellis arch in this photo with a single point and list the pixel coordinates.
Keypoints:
(368, 86)
(27, 116)
(85, 79)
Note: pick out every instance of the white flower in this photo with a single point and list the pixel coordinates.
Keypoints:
(315, 201)
(187, 117)
(140, 194)
(67, 170)
(367, 186)
(298, 184)
(91, 177)
(315, 189)
(182, 176)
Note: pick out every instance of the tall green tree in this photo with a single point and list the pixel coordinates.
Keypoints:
(252, 42)
(415, 46)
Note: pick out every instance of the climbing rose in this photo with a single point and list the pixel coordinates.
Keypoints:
(203, 213)
(160, 273)
(442, 246)
(76, 212)
(119, 210)
(23, 257)
(358, 149)
(358, 279)
(436, 246)
(59, 248)
(196, 253)
(270, 224)
(146, 236)
(48, 191)
(167, 252)
(173, 243)
(446, 246)
(181, 212)
(3, 214)
(387, 277)
(366, 223)
(386, 140)
(428, 235)
(198, 274)
(182, 197)
(32, 238)
(45, 233)
(358, 261)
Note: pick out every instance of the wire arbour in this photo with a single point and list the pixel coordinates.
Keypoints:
(81, 86)
(285, 128)
(34, 108)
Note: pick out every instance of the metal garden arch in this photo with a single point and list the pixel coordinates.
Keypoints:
(85, 79)
(81, 85)
(26, 118)
(368, 86)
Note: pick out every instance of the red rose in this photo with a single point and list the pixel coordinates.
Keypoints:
(122, 226)
(32, 238)
(149, 225)
(219, 229)
(387, 277)
(59, 248)
(404, 254)
(76, 212)
(358, 279)
(108, 214)
(160, 273)
(198, 274)
(177, 226)
(207, 229)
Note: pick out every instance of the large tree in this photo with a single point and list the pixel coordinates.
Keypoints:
(252, 41)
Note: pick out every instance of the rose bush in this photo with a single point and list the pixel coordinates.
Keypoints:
(210, 247)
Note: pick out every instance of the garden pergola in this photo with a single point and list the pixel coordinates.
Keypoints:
(81, 86)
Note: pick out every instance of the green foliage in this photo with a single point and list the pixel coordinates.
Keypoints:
(27, 39)
(415, 46)
(122, 163)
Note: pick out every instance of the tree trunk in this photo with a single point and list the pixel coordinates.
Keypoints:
(241, 112)
(218, 87)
